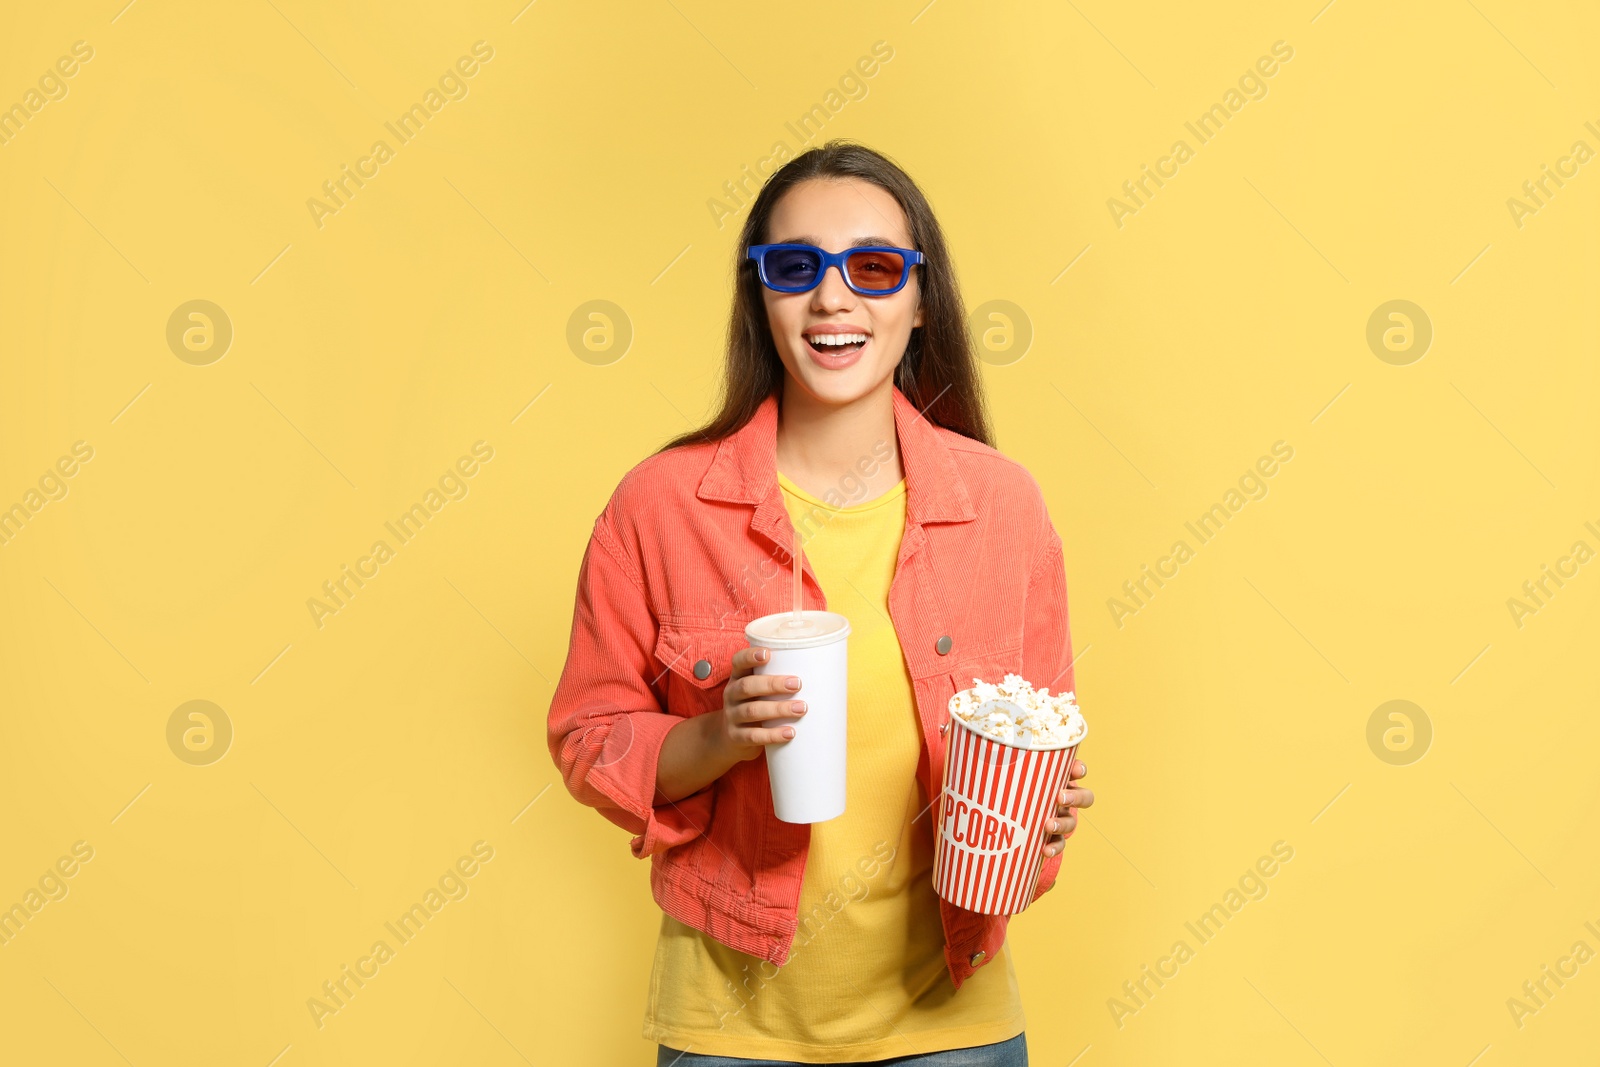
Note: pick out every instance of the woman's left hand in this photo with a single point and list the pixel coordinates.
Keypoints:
(1066, 819)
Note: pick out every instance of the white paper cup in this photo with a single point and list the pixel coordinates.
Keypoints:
(989, 827)
(808, 770)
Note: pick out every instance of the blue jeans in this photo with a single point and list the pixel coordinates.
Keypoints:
(1013, 1053)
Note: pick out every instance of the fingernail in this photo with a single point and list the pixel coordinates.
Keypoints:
(788, 733)
(1052, 825)
(761, 655)
(793, 683)
(799, 706)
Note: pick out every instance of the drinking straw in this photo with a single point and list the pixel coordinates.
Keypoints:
(796, 621)
(797, 624)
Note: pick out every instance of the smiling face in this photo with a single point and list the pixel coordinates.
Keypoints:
(835, 214)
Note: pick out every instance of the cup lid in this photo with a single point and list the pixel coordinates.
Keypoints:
(817, 628)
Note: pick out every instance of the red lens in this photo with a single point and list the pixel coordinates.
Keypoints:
(876, 270)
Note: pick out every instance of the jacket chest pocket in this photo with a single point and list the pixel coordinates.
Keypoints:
(983, 667)
(695, 661)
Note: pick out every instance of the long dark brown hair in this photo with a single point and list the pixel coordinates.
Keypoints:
(939, 371)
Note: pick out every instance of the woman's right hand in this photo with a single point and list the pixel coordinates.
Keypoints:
(742, 707)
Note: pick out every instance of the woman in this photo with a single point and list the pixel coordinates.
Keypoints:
(852, 413)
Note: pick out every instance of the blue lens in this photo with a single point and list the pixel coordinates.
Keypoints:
(792, 266)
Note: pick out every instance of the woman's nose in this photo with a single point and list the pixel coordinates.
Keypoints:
(831, 292)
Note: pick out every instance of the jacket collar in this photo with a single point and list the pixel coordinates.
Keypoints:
(744, 469)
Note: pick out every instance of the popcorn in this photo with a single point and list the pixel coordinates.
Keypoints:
(1015, 713)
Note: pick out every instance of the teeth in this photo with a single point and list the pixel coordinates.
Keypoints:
(839, 338)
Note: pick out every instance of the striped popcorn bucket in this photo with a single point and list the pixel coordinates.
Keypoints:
(989, 829)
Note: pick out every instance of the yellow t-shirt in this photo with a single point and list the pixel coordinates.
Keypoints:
(866, 976)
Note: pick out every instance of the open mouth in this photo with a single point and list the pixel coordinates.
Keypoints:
(837, 344)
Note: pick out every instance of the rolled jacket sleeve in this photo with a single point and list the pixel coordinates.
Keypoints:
(606, 723)
(1047, 649)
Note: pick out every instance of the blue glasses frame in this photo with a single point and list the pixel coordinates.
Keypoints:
(909, 258)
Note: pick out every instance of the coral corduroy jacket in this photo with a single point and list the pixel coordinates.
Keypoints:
(693, 544)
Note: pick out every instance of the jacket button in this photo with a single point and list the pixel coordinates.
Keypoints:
(943, 645)
(702, 670)
(978, 957)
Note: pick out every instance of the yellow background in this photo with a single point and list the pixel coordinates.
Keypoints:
(369, 354)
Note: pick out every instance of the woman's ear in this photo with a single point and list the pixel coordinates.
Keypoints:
(916, 320)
